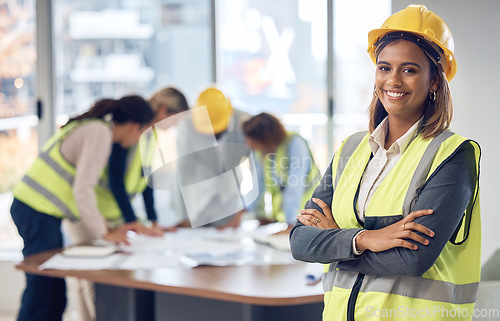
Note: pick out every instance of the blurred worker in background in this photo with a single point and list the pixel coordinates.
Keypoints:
(68, 181)
(210, 145)
(125, 179)
(290, 173)
(126, 176)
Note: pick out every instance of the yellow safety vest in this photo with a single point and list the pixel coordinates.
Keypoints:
(47, 187)
(275, 184)
(447, 291)
(134, 179)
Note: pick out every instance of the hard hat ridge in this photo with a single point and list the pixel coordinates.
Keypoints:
(418, 20)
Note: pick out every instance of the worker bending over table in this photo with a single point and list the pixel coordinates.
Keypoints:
(126, 175)
(290, 173)
(68, 181)
(212, 143)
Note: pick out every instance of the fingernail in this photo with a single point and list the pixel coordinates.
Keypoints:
(314, 199)
(430, 211)
(426, 242)
(432, 233)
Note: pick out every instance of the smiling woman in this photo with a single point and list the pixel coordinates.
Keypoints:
(403, 81)
(413, 237)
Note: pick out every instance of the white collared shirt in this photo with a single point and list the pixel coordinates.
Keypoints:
(381, 164)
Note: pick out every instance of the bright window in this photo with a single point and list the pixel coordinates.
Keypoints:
(272, 57)
(354, 72)
(18, 137)
(111, 49)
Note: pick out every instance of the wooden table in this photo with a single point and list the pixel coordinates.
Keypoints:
(247, 293)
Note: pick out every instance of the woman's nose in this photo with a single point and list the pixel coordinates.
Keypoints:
(395, 79)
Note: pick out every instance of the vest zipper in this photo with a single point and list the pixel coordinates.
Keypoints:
(351, 304)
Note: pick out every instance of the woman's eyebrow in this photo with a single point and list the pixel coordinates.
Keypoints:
(403, 64)
(411, 64)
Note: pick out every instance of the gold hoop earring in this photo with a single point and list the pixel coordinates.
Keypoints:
(433, 96)
(375, 93)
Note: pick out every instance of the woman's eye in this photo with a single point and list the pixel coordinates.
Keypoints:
(383, 68)
(409, 70)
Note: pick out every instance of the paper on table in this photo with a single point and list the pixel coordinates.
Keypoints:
(89, 251)
(146, 244)
(149, 261)
(278, 241)
(62, 262)
(172, 243)
(234, 259)
(195, 246)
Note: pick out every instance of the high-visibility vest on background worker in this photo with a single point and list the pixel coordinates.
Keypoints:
(134, 181)
(449, 288)
(47, 187)
(276, 183)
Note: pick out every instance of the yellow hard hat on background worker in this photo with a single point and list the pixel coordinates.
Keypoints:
(418, 20)
(219, 110)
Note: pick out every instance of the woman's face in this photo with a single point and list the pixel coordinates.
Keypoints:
(258, 146)
(128, 134)
(403, 80)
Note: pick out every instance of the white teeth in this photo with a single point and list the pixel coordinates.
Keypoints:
(395, 94)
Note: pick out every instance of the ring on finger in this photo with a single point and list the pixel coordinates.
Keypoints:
(404, 228)
(318, 221)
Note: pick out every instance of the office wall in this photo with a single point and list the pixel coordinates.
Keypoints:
(475, 27)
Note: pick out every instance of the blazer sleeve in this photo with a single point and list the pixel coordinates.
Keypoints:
(312, 244)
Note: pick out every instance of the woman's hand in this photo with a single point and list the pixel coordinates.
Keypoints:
(234, 222)
(171, 229)
(266, 221)
(184, 224)
(143, 229)
(312, 217)
(117, 236)
(157, 230)
(395, 235)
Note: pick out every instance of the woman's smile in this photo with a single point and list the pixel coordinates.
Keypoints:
(395, 94)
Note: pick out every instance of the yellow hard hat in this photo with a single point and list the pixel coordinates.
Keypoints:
(417, 19)
(219, 110)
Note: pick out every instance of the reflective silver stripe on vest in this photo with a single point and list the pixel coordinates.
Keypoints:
(68, 177)
(422, 170)
(408, 286)
(350, 146)
(339, 278)
(51, 197)
(420, 288)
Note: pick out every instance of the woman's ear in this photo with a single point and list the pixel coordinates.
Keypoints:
(434, 83)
